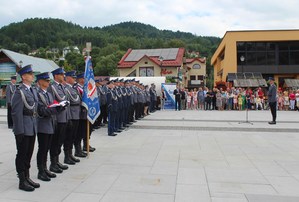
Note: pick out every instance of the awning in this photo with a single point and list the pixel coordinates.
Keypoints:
(250, 83)
(292, 83)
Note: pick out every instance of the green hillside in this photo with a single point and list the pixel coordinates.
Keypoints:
(109, 43)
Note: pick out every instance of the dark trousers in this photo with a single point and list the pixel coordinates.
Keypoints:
(58, 139)
(207, 105)
(131, 113)
(44, 143)
(82, 131)
(273, 110)
(177, 104)
(125, 116)
(111, 122)
(25, 147)
(103, 116)
(9, 118)
(71, 133)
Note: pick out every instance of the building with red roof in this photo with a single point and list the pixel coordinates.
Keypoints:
(168, 62)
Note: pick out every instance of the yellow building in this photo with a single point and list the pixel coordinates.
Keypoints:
(273, 53)
(168, 62)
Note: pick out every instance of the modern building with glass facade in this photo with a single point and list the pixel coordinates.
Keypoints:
(272, 53)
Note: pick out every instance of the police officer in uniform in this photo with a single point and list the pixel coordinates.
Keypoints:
(112, 108)
(82, 128)
(102, 90)
(58, 93)
(10, 89)
(45, 126)
(72, 128)
(24, 107)
(272, 100)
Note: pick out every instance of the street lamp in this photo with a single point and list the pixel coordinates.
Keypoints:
(242, 59)
(161, 61)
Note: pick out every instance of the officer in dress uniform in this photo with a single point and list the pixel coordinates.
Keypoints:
(74, 109)
(112, 108)
(102, 90)
(45, 125)
(82, 128)
(130, 102)
(23, 112)
(10, 89)
(58, 93)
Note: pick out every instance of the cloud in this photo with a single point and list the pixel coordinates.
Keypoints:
(206, 18)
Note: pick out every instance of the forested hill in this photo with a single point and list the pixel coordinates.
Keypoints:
(109, 41)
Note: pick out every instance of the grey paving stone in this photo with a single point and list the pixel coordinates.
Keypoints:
(218, 160)
(267, 198)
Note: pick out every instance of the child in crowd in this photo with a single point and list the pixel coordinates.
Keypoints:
(280, 101)
(235, 101)
(240, 101)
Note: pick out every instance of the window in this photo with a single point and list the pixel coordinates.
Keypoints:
(146, 71)
(196, 66)
(268, 53)
(192, 77)
(283, 58)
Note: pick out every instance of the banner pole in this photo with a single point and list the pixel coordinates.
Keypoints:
(87, 138)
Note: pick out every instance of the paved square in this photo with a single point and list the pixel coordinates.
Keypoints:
(174, 156)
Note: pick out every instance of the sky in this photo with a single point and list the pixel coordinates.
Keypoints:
(199, 17)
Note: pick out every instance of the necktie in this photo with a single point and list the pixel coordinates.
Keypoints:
(31, 90)
(47, 96)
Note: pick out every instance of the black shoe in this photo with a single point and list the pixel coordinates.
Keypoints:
(23, 183)
(112, 134)
(68, 161)
(80, 154)
(118, 131)
(96, 127)
(91, 149)
(102, 124)
(49, 174)
(74, 159)
(43, 176)
(272, 122)
(61, 166)
(33, 184)
(30, 181)
(55, 169)
(26, 186)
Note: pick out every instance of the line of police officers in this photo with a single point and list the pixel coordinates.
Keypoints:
(54, 112)
(127, 101)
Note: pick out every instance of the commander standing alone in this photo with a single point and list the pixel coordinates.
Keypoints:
(272, 100)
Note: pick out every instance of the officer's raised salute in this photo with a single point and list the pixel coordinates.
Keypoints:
(24, 110)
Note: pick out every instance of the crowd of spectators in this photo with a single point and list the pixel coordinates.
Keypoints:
(235, 99)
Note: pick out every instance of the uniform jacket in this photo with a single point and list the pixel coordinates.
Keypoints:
(83, 110)
(24, 119)
(46, 116)
(112, 101)
(272, 93)
(10, 89)
(75, 102)
(58, 93)
(102, 95)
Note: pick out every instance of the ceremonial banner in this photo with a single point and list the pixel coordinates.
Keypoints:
(90, 98)
(168, 89)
